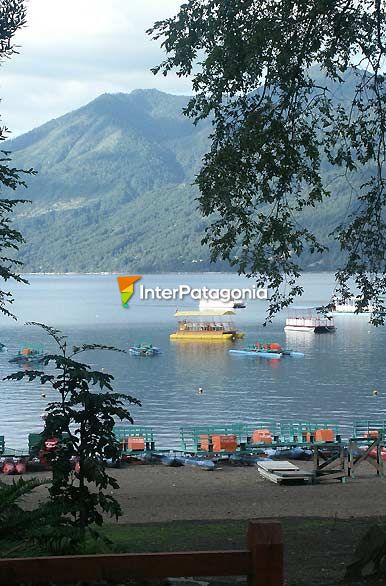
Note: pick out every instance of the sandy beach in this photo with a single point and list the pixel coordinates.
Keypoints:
(155, 493)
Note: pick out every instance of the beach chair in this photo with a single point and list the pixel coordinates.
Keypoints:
(134, 438)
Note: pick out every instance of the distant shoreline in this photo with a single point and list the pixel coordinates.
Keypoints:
(105, 273)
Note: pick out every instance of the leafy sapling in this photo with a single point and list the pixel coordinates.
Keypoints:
(83, 420)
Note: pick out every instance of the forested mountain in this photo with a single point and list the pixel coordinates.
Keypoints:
(113, 190)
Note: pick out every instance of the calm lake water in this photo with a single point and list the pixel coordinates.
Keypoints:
(334, 381)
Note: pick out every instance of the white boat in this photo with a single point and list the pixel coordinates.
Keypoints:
(349, 305)
(307, 320)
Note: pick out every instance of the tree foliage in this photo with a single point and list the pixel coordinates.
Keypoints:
(274, 126)
(12, 18)
(16, 523)
(83, 421)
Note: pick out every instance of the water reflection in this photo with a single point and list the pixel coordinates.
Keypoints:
(303, 341)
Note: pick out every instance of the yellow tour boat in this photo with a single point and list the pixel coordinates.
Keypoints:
(206, 325)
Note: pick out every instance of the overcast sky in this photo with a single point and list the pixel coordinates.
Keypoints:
(71, 51)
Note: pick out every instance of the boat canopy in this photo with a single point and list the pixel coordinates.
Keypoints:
(208, 313)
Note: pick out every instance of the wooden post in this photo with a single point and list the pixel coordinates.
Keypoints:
(315, 453)
(349, 458)
(265, 542)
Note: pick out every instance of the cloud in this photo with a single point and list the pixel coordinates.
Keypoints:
(73, 51)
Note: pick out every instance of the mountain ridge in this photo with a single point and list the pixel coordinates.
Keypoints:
(114, 189)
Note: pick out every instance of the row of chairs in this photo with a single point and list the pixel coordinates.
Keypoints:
(236, 437)
(240, 437)
(263, 434)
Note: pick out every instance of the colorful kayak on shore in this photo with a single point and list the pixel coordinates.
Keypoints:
(159, 458)
(198, 462)
(382, 453)
(177, 460)
(296, 453)
(247, 459)
(12, 466)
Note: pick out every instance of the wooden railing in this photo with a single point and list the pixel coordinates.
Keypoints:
(262, 562)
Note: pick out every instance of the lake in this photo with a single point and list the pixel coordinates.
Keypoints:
(334, 380)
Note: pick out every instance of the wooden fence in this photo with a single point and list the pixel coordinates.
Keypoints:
(262, 562)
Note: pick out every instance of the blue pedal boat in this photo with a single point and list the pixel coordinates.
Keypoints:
(256, 352)
(144, 350)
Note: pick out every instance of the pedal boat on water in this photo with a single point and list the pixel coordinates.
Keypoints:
(267, 350)
(277, 349)
(309, 320)
(31, 354)
(144, 350)
(206, 326)
(253, 351)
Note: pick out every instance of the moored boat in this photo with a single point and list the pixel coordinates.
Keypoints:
(350, 305)
(308, 320)
(208, 326)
